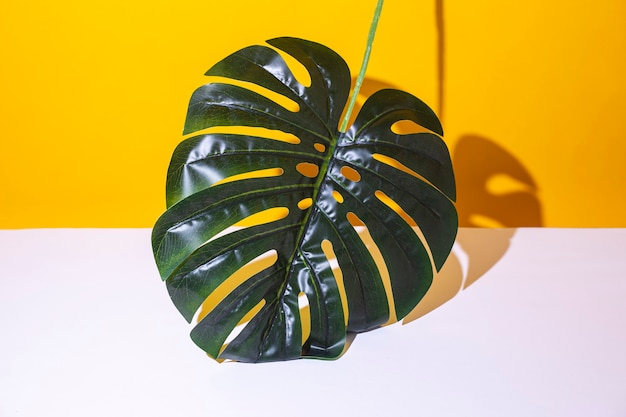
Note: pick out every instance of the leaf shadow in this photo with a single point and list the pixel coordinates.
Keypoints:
(479, 163)
(493, 187)
(473, 254)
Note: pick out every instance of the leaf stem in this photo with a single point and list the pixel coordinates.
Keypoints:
(366, 58)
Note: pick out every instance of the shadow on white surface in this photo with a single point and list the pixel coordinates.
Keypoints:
(473, 254)
(87, 329)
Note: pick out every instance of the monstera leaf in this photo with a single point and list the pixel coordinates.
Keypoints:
(336, 202)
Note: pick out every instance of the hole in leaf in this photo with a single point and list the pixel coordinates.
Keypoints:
(253, 267)
(277, 98)
(389, 202)
(320, 147)
(367, 239)
(266, 216)
(355, 221)
(337, 196)
(394, 163)
(350, 173)
(242, 324)
(308, 169)
(255, 131)
(305, 316)
(305, 203)
(329, 252)
(299, 71)
(261, 173)
(406, 127)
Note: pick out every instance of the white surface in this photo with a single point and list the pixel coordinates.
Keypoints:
(87, 329)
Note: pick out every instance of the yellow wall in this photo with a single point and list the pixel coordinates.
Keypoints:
(93, 97)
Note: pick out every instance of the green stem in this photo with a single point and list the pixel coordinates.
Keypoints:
(366, 58)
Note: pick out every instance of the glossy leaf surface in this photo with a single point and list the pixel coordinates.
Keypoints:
(336, 200)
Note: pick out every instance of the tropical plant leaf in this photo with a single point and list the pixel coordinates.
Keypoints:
(336, 198)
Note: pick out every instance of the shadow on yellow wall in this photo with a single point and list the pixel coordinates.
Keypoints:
(494, 189)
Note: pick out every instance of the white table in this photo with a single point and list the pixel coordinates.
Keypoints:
(521, 322)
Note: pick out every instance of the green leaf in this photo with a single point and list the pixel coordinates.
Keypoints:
(354, 183)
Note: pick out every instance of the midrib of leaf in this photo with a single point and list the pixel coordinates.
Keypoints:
(331, 152)
(303, 228)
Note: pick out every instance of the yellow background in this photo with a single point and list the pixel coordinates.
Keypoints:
(532, 96)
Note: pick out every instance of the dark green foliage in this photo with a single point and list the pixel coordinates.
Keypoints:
(352, 187)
